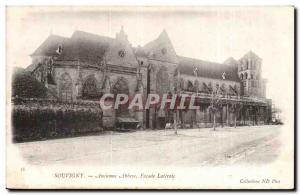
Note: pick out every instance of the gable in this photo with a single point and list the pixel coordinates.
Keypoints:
(121, 54)
(161, 49)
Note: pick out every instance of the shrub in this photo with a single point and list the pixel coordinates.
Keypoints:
(24, 85)
(39, 121)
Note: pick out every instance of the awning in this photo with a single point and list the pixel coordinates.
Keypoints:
(126, 120)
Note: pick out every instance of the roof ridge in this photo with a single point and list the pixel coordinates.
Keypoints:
(250, 53)
(91, 34)
(60, 36)
(160, 36)
(196, 59)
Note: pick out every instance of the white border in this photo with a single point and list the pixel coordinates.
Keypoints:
(4, 3)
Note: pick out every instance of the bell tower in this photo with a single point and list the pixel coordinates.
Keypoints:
(249, 71)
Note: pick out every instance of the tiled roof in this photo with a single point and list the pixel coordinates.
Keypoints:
(81, 46)
(50, 45)
(207, 69)
(85, 47)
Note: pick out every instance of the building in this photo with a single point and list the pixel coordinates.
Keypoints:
(86, 66)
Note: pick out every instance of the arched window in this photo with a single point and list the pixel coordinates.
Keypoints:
(89, 89)
(246, 75)
(120, 86)
(241, 76)
(190, 86)
(65, 87)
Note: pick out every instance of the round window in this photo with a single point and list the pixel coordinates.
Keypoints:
(122, 53)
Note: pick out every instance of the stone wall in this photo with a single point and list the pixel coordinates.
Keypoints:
(80, 72)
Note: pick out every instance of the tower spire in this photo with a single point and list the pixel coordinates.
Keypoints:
(122, 36)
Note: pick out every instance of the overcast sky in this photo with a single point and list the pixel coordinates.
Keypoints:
(207, 33)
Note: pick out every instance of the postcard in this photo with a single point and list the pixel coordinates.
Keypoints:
(150, 97)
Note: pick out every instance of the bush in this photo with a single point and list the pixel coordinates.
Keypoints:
(36, 121)
(25, 85)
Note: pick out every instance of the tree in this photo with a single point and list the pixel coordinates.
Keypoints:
(235, 108)
(26, 86)
(215, 105)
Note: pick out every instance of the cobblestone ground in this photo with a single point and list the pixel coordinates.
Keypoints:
(191, 147)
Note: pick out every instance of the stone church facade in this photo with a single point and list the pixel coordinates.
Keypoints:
(86, 66)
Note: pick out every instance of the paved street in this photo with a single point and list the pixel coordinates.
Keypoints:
(191, 147)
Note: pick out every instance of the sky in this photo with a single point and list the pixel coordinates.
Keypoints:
(207, 33)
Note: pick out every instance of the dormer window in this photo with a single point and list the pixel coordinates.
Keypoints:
(59, 49)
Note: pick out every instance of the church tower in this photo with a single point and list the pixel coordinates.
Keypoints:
(249, 71)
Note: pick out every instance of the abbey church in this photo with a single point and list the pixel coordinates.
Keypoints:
(85, 66)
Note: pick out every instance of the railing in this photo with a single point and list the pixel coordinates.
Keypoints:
(227, 97)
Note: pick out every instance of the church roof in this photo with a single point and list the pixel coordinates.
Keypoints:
(92, 48)
(81, 46)
(207, 69)
(49, 46)
(85, 47)
(231, 61)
